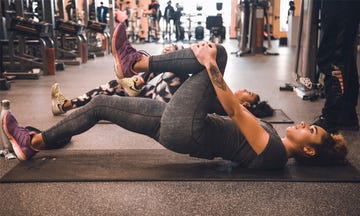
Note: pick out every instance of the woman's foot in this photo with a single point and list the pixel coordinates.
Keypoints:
(57, 100)
(125, 55)
(132, 85)
(19, 137)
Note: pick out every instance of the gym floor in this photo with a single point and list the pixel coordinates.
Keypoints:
(30, 102)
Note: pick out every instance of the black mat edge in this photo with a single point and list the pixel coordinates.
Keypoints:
(287, 121)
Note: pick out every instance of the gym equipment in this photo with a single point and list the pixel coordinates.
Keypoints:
(159, 165)
(189, 30)
(215, 25)
(71, 43)
(307, 44)
(29, 47)
(71, 10)
(93, 29)
(4, 83)
(199, 29)
(97, 31)
(251, 22)
(199, 32)
(3, 30)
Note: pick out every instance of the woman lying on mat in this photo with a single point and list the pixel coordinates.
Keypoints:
(184, 125)
(142, 86)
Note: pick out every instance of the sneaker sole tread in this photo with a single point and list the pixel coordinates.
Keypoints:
(117, 60)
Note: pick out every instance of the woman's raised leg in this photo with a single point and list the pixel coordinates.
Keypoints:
(183, 124)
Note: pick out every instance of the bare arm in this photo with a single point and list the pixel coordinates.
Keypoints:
(244, 120)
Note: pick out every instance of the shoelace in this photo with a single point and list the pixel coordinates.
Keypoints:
(144, 53)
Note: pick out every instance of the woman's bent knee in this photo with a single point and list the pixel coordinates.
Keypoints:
(221, 57)
(221, 51)
(98, 100)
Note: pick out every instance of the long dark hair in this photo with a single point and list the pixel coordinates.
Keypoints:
(260, 109)
(331, 151)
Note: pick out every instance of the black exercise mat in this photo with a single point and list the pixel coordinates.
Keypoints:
(158, 165)
(279, 117)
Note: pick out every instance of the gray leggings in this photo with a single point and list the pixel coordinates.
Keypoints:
(179, 125)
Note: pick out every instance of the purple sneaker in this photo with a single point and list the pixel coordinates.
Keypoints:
(124, 54)
(19, 137)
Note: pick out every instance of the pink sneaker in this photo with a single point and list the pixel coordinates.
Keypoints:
(19, 137)
(124, 54)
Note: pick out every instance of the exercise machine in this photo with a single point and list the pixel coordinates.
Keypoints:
(199, 32)
(28, 49)
(199, 29)
(97, 29)
(189, 29)
(252, 20)
(70, 40)
(215, 25)
(305, 66)
(4, 83)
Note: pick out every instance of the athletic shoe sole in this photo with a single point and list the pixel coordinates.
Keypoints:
(119, 70)
(16, 147)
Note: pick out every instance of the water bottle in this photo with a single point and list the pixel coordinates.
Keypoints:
(5, 145)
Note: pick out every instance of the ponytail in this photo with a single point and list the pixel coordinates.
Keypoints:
(261, 109)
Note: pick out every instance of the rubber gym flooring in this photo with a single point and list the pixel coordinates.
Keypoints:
(30, 102)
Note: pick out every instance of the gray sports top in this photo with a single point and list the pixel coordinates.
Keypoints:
(226, 141)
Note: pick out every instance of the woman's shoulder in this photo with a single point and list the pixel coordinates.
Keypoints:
(274, 154)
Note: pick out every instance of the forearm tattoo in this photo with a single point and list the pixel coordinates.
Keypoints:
(217, 78)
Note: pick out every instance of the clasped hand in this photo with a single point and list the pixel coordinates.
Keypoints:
(205, 53)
